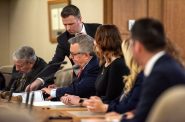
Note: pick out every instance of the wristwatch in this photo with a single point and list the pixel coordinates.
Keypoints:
(81, 101)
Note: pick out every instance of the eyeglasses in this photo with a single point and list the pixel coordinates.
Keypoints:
(74, 54)
(21, 64)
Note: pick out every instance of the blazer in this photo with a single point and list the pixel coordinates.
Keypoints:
(165, 74)
(29, 78)
(2, 81)
(84, 85)
(130, 101)
(109, 83)
(63, 48)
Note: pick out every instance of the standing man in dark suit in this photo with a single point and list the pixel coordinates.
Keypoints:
(161, 70)
(81, 52)
(72, 20)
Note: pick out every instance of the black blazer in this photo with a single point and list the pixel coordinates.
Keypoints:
(84, 86)
(129, 102)
(109, 83)
(63, 48)
(2, 81)
(30, 77)
(165, 74)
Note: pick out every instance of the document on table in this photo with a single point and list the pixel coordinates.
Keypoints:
(48, 103)
(38, 97)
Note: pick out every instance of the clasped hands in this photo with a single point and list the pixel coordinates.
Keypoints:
(93, 104)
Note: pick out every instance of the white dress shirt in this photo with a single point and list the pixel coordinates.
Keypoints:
(150, 64)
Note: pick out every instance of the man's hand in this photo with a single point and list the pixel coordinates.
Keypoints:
(47, 91)
(52, 86)
(70, 99)
(34, 86)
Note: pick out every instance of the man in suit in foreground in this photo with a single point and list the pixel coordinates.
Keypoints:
(161, 70)
(81, 52)
(72, 20)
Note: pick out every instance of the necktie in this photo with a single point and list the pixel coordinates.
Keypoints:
(79, 73)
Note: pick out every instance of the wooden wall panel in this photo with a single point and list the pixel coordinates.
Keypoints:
(107, 11)
(174, 21)
(124, 10)
(170, 12)
(155, 9)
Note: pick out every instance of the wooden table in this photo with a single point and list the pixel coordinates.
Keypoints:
(51, 113)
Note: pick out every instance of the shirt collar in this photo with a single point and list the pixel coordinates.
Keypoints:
(83, 29)
(151, 62)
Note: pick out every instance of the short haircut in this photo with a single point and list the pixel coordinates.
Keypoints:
(85, 43)
(70, 10)
(25, 53)
(150, 33)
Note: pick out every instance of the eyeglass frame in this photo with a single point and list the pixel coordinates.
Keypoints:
(72, 55)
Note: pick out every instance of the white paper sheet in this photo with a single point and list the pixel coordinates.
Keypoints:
(38, 97)
(48, 103)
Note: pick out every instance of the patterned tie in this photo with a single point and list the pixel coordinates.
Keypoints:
(79, 73)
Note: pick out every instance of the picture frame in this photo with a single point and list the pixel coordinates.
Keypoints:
(56, 26)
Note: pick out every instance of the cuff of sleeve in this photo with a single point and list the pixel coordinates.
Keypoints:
(41, 80)
(53, 93)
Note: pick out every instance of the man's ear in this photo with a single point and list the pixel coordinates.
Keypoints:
(86, 55)
(138, 46)
(80, 18)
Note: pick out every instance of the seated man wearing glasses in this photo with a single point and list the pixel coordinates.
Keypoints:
(81, 52)
(26, 67)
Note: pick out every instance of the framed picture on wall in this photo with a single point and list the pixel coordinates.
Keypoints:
(56, 26)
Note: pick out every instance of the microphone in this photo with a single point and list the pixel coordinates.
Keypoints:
(12, 89)
(53, 66)
(74, 67)
(32, 100)
(48, 67)
(58, 63)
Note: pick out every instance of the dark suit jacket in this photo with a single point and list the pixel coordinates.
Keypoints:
(165, 74)
(63, 48)
(2, 81)
(84, 85)
(130, 101)
(30, 77)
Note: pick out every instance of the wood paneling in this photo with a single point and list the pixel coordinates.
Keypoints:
(107, 11)
(174, 21)
(155, 9)
(169, 12)
(124, 10)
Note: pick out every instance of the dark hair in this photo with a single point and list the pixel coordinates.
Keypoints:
(70, 10)
(109, 41)
(150, 33)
